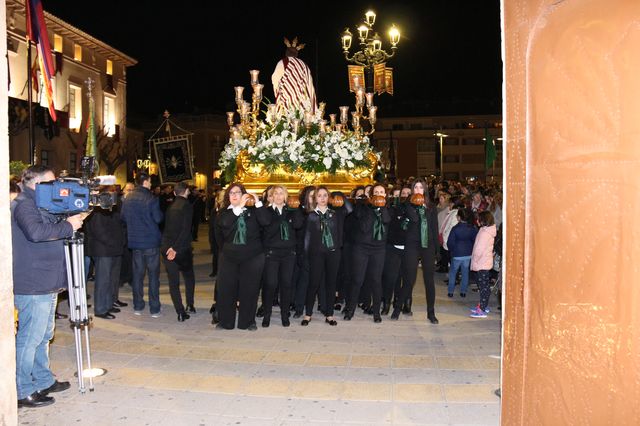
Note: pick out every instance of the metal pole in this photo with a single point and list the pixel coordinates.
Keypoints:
(441, 160)
(32, 145)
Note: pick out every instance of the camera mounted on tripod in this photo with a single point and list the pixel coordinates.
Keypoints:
(69, 196)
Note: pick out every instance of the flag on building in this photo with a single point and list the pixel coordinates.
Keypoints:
(489, 149)
(37, 33)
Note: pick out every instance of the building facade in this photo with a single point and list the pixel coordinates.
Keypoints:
(77, 57)
(451, 146)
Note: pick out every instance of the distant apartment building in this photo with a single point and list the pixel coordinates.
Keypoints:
(416, 144)
(77, 56)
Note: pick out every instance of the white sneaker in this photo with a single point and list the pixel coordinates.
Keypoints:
(156, 315)
(138, 313)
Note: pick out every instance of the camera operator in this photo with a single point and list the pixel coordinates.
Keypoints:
(39, 274)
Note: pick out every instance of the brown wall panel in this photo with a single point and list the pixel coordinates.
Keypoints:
(571, 324)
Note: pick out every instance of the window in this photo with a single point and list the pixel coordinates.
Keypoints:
(415, 126)
(473, 158)
(77, 52)
(75, 107)
(73, 162)
(57, 43)
(44, 157)
(451, 159)
(450, 141)
(109, 115)
(472, 141)
(426, 145)
(109, 67)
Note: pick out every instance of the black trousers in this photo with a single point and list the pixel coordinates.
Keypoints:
(238, 281)
(413, 252)
(183, 263)
(343, 284)
(107, 282)
(392, 273)
(278, 271)
(323, 264)
(367, 264)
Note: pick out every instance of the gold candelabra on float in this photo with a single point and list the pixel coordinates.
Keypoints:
(248, 112)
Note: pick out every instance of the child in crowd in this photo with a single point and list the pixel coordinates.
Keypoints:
(482, 260)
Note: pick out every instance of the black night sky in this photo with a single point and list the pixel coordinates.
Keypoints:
(191, 53)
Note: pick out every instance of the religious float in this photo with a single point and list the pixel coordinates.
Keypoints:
(290, 142)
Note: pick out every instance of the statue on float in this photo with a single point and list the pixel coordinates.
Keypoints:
(292, 81)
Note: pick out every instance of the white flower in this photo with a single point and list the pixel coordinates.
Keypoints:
(327, 162)
(350, 164)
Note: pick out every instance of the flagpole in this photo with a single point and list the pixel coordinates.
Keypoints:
(32, 146)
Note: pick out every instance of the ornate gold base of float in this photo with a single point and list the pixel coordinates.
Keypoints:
(256, 178)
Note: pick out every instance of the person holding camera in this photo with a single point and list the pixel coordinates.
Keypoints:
(142, 215)
(39, 274)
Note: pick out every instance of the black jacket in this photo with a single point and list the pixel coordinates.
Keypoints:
(226, 222)
(413, 231)
(177, 226)
(365, 219)
(271, 233)
(38, 247)
(313, 234)
(399, 221)
(105, 234)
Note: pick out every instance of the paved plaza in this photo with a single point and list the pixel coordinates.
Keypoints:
(163, 372)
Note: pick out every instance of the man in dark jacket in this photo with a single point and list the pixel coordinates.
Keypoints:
(177, 254)
(141, 213)
(39, 274)
(105, 244)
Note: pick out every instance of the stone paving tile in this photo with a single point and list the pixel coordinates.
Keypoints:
(328, 360)
(470, 393)
(410, 392)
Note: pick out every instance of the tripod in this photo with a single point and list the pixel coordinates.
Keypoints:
(78, 315)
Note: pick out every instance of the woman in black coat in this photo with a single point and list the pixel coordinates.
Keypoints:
(279, 238)
(238, 233)
(421, 243)
(323, 244)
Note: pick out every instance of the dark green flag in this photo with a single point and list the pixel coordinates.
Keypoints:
(489, 150)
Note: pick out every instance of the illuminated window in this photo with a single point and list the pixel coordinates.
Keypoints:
(77, 52)
(57, 43)
(109, 115)
(75, 107)
(109, 67)
(44, 157)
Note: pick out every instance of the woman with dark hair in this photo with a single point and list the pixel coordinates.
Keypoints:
(238, 234)
(482, 260)
(323, 244)
(460, 245)
(421, 243)
(301, 270)
(280, 245)
(367, 255)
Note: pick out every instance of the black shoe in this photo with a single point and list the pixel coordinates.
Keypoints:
(266, 321)
(286, 322)
(252, 327)
(432, 319)
(260, 312)
(331, 322)
(449, 294)
(120, 304)
(36, 399)
(212, 309)
(305, 321)
(183, 316)
(55, 387)
(106, 315)
(114, 310)
(395, 314)
(61, 316)
(190, 309)
(214, 319)
(348, 315)
(368, 310)
(337, 307)
(377, 318)
(463, 294)
(219, 326)
(297, 315)
(385, 310)
(406, 308)
(212, 275)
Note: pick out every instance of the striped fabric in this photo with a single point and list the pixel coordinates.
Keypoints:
(295, 86)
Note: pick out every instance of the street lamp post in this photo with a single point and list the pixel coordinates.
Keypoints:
(441, 136)
(371, 52)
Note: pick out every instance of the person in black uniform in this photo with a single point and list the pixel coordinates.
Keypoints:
(323, 243)
(421, 243)
(301, 270)
(394, 253)
(177, 254)
(279, 239)
(367, 254)
(241, 257)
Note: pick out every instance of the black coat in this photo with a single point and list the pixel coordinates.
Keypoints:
(413, 231)
(271, 233)
(177, 226)
(313, 234)
(226, 222)
(365, 218)
(105, 234)
(397, 234)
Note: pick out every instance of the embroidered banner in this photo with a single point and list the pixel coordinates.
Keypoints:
(174, 158)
